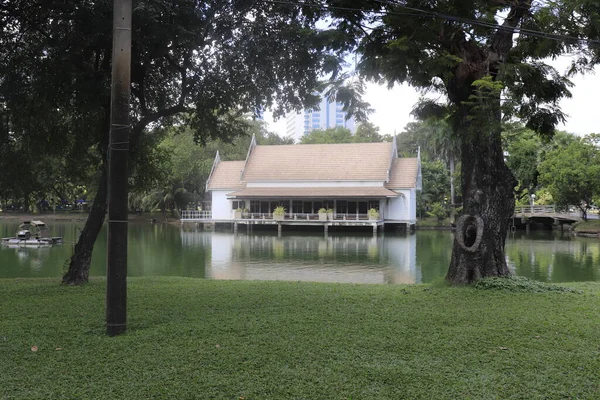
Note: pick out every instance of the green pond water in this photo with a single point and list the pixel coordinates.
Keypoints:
(167, 250)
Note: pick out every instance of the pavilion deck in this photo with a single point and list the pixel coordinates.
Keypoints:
(291, 219)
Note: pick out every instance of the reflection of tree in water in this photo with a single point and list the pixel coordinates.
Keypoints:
(158, 249)
(579, 265)
(434, 249)
(550, 258)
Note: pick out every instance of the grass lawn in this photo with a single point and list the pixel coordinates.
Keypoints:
(589, 226)
(200, 339)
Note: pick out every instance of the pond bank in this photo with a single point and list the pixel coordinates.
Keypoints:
(69, 217)
(431, 223)
(589, 228)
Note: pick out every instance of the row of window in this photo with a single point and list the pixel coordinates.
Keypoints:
(307, 206)
(315, 126)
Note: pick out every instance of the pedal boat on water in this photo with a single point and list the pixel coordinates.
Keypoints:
(32, 233)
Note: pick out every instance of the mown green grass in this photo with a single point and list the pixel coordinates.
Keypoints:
(589, 226)
(201, 339)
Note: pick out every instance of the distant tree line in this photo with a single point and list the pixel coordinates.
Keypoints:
(172, 171)
(563, 170)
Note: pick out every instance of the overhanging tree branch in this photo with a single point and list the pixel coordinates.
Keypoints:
(502, 40)
(138, 127)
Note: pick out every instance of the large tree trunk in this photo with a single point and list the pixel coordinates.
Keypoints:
(488, 203)
(451, 161)
(79, 267)
(487, 183)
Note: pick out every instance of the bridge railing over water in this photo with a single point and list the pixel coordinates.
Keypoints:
(535, 210)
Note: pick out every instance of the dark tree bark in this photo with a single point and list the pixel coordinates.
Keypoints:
(79, 266)
(488, 203)
(487, 183)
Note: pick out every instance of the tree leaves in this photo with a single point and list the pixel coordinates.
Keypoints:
(572, 174)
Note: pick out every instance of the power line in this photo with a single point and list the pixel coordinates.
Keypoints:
(447, 17)
(468, 21)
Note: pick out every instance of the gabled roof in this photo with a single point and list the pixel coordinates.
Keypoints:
(403, 174)
(325, 162)
(329, 192)
(226, 175)
(349, 162)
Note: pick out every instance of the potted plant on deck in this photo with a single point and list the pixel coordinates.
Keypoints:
(237, 214)
(329, 214)
(322, 214)
(279, 213)
(373, 214)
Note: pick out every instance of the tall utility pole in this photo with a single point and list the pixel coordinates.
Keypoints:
(116, 268)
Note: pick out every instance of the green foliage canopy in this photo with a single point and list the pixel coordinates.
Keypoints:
(206, 64)
(436, 186)
(441, 46)
(365, 132)
(523, 149)
(178, 177)
(572, 174)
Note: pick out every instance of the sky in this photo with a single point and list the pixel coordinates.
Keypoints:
(392, 107)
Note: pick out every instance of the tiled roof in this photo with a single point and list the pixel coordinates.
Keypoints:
(345, 192)
(329, 162)
(403, 174)
(227, 175)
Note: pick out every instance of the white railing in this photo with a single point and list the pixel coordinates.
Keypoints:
(535, 210)
(195, 215)
(306, 216)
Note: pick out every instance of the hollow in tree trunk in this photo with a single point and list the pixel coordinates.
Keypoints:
(79, 266)
(474, 89)
(488, 204)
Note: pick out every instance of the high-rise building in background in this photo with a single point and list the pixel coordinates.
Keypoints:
(327, 115)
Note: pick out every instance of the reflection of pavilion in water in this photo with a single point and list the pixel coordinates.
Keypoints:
(347, 259)
(195, 238)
